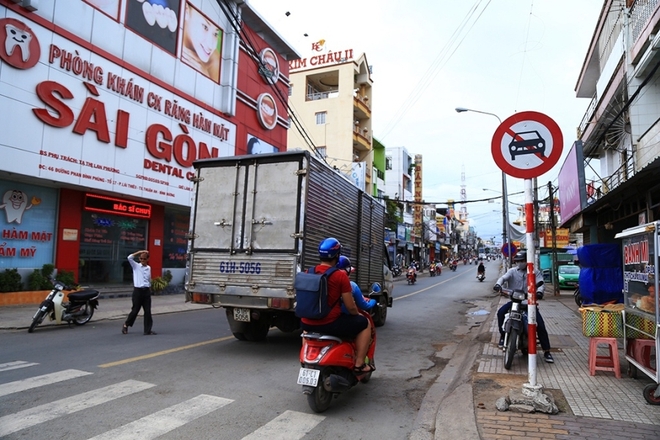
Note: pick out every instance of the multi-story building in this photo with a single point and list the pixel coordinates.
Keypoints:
(399, 168)
(331, 97)
(105, 106)
(619, 135)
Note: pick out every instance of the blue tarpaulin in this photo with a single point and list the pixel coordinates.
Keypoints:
(601, 274)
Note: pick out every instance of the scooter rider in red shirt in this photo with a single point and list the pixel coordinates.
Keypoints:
(352, 325)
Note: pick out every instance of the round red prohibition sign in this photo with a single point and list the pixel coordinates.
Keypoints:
(527, 144)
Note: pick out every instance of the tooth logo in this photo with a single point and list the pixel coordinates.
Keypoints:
(17, 38)
(21, 46)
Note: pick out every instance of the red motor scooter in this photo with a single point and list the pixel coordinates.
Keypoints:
(327, 366)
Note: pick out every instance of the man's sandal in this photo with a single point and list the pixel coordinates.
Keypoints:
(364, 368)
(124, 329)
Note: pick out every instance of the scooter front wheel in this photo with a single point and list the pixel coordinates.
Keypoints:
(319, 399)
(38, 318)
(510, 349)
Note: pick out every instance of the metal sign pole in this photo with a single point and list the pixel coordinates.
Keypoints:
(531, 283)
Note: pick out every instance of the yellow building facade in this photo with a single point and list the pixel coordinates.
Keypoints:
(331, 97)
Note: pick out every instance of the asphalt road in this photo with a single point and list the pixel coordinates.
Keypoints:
(194, 380)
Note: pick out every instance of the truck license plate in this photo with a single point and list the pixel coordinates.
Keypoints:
(308, 376)
(242, 315)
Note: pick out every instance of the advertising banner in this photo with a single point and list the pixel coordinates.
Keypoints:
(79, 118)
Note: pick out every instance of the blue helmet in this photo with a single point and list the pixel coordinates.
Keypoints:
(344, 263)
(329, 248)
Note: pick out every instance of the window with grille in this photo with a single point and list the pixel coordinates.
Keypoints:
(320, 118)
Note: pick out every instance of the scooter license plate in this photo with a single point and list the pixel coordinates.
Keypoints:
(308, 376)
(242, 315)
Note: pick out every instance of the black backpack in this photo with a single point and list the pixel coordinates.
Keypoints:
(312, 294)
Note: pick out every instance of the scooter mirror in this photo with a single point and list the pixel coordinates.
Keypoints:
(375, 288)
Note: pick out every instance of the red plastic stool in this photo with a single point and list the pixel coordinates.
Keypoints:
(604, 363)
(642, 352)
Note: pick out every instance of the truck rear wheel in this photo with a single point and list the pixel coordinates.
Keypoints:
(254, 331)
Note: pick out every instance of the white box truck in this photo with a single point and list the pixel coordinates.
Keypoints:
(257, 220)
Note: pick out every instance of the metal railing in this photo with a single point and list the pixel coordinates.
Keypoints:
(640, 13)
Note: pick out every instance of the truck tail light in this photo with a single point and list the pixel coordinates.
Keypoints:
(280, 303)
(201, 298)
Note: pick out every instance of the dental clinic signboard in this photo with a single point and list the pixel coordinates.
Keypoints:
(76, 117)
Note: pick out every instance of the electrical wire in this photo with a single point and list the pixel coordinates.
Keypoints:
(441, 59)
(235, 21)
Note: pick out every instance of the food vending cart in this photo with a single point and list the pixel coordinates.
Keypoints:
(640, 246)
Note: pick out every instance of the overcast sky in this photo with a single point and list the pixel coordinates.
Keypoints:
(431, 56)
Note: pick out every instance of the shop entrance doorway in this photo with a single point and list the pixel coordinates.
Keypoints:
(106, 241)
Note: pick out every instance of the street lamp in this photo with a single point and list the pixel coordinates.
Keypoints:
(506, 228)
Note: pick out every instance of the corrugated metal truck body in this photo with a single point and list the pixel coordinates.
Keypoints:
(256, 220)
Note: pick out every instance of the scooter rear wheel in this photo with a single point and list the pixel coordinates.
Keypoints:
(86, 316)
(510, 349)
(36, 320)
(319, 399)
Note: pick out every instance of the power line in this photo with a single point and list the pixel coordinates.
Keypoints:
(245, 38)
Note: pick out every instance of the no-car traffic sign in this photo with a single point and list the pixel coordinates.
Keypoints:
(505, 249)
(527, 144)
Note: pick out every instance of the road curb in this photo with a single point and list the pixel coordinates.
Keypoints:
(451, 390)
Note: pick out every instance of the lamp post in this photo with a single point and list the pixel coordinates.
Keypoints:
(506, 227)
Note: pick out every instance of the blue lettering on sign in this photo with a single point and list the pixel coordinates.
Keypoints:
(240, 267)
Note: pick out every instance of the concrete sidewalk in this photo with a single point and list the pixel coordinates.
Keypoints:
(599, 407)
(20, 316)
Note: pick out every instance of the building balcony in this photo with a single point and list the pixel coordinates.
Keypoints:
(316, 95)
(361, 139)
(361, 108)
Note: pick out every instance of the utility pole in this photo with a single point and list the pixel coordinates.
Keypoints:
(553, 228)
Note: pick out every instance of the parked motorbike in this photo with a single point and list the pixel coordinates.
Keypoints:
(327, 366)
(411, 276)
(515, 326)
(578, 297)
(481, 276)
(396, 270)
(79, 309)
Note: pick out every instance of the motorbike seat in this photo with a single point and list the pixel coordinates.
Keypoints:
(83, 295)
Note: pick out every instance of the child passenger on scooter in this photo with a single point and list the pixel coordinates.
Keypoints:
(360, 301)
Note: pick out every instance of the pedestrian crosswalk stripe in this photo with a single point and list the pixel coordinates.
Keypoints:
(289, 425)
(50, 411)
(166, 420)
(16, 364)
(37, 381)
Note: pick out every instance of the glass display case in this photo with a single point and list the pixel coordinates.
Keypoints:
(639, 247)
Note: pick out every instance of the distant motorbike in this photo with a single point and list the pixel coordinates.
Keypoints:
(79, 309)
(452, 267)
(481, 276)
(411, 276)
(432, 270)
(327, 366)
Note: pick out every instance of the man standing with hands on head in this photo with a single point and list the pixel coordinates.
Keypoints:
(141, 291)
